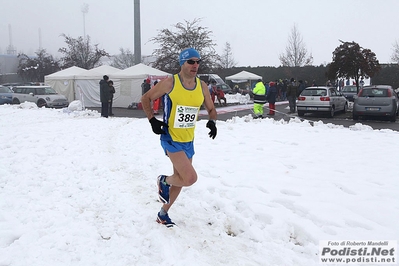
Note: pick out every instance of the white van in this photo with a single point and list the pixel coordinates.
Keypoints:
(219, 81)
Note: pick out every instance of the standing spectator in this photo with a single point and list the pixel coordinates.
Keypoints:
(284, 90)
(292, 91)
(236, 89)
(104, 96)
(220, 96)
(111, 96)
(259, 92)
(361, 83)
(341, 84)
(209, 83)
(155, 105)
(301, 87)
(142, 87)
(279, 90)
(271, 97)
(183, 95)
(146, 85)
(213, 90)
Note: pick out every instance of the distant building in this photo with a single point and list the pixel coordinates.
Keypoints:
(8, 68)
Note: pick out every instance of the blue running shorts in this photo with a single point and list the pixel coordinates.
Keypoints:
(172, 146)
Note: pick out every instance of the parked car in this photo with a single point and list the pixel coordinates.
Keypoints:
(349, 91)
(377, 101)
(321, 100)
(5, 95)
(41, 95)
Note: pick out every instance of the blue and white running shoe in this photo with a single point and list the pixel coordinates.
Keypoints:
(165, 220)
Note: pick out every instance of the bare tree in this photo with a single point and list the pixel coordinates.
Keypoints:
(296, 53)
(123, 60)
(35, 68)
(227, 60)
(81, 53)
(186, 35)
(395, 55)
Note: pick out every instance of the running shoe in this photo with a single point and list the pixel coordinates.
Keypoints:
(165, 220)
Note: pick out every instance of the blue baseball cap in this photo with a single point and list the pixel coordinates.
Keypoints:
(187, 54)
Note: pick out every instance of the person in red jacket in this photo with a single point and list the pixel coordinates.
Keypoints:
(155, 105)
(220, 95)
(271, 97)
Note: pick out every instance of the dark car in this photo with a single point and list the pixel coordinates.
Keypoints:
(376, 101)
(5, 95)
(349, 91)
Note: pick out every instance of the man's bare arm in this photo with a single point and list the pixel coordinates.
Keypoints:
(163, 87)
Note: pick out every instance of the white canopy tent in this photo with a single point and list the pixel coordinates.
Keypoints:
(128, 82)
(84, 84)
(105, 69)
(243, 76)
(87, 87)
(64, 81)
(140, 69)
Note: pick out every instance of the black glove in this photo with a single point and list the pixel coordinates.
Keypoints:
(157, 126)
(212, 126)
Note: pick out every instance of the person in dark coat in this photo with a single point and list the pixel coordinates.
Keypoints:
(147, 85)
(271, 97)
(111, 96)
(104, 96)
(301, 87)
(292, 92)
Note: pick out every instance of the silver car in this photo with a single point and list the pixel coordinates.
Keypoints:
(349, 91)
(321, 100)
(377, 101)
(41, 95)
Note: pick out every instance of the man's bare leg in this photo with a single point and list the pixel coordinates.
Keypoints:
(183, 175)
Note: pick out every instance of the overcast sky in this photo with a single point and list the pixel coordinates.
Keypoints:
(257, 30)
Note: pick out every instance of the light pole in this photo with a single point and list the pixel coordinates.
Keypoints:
(85, 9)
(137, 33)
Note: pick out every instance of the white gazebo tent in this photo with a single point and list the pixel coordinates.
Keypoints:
(87, 87)
(64, 81)
(243, 76)
(81, 84)
(104, 70)
(129, 82)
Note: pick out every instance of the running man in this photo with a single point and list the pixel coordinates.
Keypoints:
(182, 94)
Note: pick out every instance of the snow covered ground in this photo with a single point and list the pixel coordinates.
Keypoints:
(78, 189)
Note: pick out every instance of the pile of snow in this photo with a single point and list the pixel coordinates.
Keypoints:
(75, 106)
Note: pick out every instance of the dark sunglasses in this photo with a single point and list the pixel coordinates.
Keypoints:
(192, 62)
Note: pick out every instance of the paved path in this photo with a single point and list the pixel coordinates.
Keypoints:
(240, 110)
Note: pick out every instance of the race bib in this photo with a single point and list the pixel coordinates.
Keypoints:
(186, 116)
